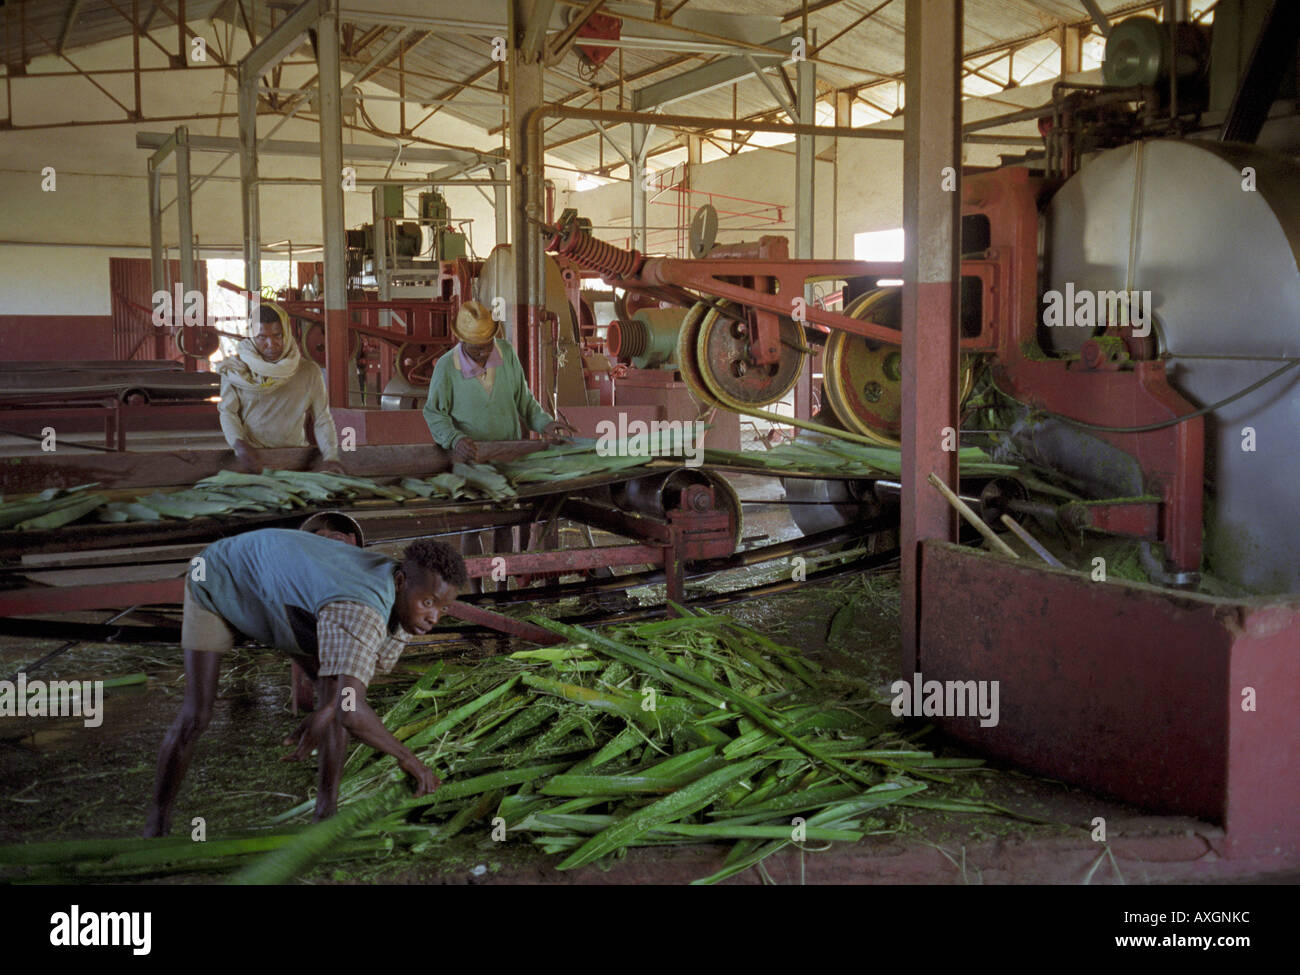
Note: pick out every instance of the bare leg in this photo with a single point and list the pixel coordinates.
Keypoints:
(332, 748)
(302, 693)
(201, 671)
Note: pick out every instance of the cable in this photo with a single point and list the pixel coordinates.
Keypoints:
(1163, 424)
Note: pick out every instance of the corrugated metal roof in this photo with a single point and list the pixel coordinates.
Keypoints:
(869, 46)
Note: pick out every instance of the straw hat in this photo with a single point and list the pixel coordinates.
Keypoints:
(474, 324)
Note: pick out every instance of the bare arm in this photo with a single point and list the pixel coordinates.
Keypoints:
(363, 724)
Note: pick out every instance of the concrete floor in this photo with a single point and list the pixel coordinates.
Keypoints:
(59, 780)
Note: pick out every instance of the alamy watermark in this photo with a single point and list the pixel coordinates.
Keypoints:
(53, 699)
(656, 438)
(946, 699)
(1084, 309)
(79, 929)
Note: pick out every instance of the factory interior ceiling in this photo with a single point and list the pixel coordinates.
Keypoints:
(438, 56)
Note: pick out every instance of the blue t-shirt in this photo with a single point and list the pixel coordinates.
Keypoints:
(270, 584)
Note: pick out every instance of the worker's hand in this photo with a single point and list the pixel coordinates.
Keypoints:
(555, 430)
(330, 467)
(465, 450)
(248, 458)
(309, 734)
(425, 780)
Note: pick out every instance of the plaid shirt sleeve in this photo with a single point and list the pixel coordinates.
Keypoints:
(353, 639)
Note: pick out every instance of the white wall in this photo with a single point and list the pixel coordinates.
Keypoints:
(763, 177)
(101, 188)
(54, 281)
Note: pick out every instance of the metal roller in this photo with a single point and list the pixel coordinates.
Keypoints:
(1212, 231)
(400, 394)
(660, 493)
(817, 505)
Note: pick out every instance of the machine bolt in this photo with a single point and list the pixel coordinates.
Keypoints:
(738, 368)
(893, 366)
(872, 392)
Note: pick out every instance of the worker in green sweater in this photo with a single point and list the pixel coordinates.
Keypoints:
(478, 391)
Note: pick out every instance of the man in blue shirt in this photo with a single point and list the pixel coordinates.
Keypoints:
(339, 611)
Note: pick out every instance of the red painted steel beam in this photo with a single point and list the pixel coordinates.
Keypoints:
(1137, 519)
(932, 231)
(70, 599)
(569, 560)
(503, 623)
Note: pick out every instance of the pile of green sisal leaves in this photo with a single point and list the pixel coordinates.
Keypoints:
(691, 730)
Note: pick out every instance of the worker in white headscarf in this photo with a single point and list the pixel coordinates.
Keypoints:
(267, 391)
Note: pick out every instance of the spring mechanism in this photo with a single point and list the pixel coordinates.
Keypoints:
(612, 262)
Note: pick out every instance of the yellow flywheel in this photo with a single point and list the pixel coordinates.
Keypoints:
(687, 364)
(863, 379)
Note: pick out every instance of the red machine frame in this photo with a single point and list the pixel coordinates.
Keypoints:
(1098, 388)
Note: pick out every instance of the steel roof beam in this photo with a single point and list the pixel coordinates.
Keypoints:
(716, 74)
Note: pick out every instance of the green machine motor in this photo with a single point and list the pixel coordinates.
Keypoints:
(436, 213)
(648, 338)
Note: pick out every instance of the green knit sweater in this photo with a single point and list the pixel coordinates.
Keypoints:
(458, 407)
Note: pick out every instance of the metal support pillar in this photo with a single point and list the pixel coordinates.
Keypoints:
(331, 172)
(177, 144)
(805, 162)
(248, 188)
(157, 270)
(843, 119)
(694, 150)
(185, 208)
(637, 173)
(265, 55)
(1070, 40)
(526, 193)
(501, 202)
(932, 229)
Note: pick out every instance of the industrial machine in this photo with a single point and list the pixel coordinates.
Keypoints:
(1129, 309)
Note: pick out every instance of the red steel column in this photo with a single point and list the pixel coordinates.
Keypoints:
(931, 269)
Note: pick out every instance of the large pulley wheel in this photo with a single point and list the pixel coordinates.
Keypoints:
(688, 363)
(415, 362)
(722, 351)
(863, 378)
(197, 341)
(313, 343)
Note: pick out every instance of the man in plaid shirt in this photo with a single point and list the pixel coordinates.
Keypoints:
(339, 611)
